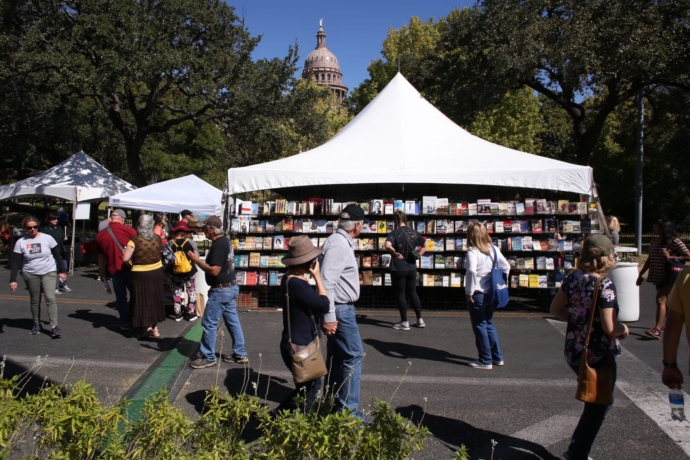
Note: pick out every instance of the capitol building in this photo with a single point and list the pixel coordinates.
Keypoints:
(322, 66)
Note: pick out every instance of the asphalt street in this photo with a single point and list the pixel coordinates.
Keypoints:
(527, 406)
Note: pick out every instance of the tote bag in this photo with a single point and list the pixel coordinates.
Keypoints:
(499, 287)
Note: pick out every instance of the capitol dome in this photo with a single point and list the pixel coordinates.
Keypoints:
(322, 66)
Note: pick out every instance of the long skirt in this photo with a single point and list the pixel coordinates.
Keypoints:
(148, 308)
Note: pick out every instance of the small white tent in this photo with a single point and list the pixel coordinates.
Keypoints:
(172, 196)
(79, 178)
(401, 138)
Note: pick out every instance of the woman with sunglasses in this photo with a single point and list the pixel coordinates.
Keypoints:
(39, 257)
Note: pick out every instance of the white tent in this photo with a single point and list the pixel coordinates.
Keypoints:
(79, 178)
(401, 138)
(188, 192)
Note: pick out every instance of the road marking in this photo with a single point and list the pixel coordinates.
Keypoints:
(50, 362)
(642, 385)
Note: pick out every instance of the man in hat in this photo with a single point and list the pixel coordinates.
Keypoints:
(111, 240)
(220, 276)
(340, 276)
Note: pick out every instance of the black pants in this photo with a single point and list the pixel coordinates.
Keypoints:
(405, 283)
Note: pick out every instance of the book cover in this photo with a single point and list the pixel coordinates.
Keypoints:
(514, 281)
(449, 262)
(377, 279)
(537, 226)
(439, 244)
(519, 209)
(512, 261)
(375, 260)
(429, 205)
(245, 207)
(410, 208)
(388, 208)
(559, 278)
(489, 224)
(541, 263)
(254, 259)
(263, 261)
(441, 226)
(582, 208)
(484, 207)
(445, 281)
(450, 244)
(541, 206)
(511, 208)
(498, 226)
(381, 226)
(250, 278)
(273, 278)
(442, 206)
(241, 277)
(453, 208)
(376, 207)
(592, 209)
(549, 263)
(235, 225)
(439, 261)
(544, 245)
(526, 243)
(365, 206)
(529, 263)
(523, 280)
(427, 261)
(494, 209)
(387, 281)
(503, 208)
(550, 225)
(278, 242)
(543, 281)
(430, 227)
(472, 209)
(536, 245)
(385, 260)
(367, 278)
(398, 205)
(517, 243)
(390, 226)
(568, 261)
(520, 263)
(455, 280)
(297, 225)
(563, 206)
(572, 207)
(464, 210)
(530, 206)
(457, 262)
(262, 279)
(429, 245)
(287, 224)
(382, 244)
(533, 281)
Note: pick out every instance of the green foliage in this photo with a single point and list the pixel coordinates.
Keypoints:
(72, 424)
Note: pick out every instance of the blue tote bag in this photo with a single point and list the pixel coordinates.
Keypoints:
(499, 286)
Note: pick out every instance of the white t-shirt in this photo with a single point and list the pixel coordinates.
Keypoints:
(478, 269)
(38, 260)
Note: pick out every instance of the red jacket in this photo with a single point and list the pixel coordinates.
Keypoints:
(107, 246)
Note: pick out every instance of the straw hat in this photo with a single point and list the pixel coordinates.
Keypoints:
(300, 250)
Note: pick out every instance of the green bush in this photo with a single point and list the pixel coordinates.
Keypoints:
(72, 424)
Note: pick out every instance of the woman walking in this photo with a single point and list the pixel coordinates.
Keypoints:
(614, 229)
(52, 228)
(401, 243)
(159, 226)
(667, 256)
(478, 264)
(301, 319)
(144, 250)
(573, 303)
(38, 256)
(181, 272)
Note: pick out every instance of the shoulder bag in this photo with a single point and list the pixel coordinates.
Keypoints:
(307, 361)
(124, 264)
(412, 253)
(499, 286)
(595, 385)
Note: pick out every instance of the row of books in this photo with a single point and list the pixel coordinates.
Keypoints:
(371, 278)
(430, 205)
(247, 225)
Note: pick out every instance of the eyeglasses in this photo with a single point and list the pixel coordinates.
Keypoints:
(32, 227)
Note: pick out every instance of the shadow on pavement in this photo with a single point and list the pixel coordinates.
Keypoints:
(29, 382)
(641, 336)
(98, 319)
(20, 323)
(408, 351)
(477, 441)
(367, 320)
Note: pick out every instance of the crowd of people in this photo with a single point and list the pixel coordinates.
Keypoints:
(134, 260)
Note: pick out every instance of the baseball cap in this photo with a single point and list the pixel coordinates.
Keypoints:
(352, 212)
(213, 221)
(119, 213)
(597, 246)
(186, 212)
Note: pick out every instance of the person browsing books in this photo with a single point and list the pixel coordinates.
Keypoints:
(341, 279)
(222, 296)
(401, 243)
(478, 265)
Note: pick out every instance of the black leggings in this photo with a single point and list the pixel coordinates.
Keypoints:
(406, 283)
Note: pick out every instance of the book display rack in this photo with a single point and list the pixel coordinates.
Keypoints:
(541, 240)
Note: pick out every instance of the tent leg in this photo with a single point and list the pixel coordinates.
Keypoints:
(74, 223)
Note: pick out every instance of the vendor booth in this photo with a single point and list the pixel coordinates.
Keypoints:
(400, 148)
(79, 179)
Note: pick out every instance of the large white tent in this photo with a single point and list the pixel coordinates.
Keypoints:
(401, 138)
(79, 178)
(172, 196)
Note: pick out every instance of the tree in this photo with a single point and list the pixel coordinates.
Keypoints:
(572, 51)
(150, 65)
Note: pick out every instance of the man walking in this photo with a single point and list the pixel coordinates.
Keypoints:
(678, 313)
(340, 277)
(111, 241)
(220, 276)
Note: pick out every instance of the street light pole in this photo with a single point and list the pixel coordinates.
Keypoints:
(638, 172)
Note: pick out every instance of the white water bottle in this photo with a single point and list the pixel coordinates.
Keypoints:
(675, 399)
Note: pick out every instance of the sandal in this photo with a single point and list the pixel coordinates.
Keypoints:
(155, 332)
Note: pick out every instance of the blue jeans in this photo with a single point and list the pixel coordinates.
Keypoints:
(61, 284)
(345, 358)
(221, 302)
(121, 286)
(485, 335)
(590, 422)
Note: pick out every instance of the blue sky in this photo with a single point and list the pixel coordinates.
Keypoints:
(355, 29)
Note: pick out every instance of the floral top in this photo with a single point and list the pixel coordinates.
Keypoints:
(579, 287)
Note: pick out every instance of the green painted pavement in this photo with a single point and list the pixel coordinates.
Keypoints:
(161, 377)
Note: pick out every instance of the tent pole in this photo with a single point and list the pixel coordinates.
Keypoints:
(74, 223)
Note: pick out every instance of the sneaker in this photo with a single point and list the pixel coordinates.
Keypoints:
(192, 318)
(568, 456)
(55, 333)
(236, 359)
(65, 289)
(402, 326)
(57, 292)
(364, 418)
(654, 333)
(178, 317)
(124, 327)
(201, 363)
(498, 363)
(36, 329)
(479, 365)
(420, 323)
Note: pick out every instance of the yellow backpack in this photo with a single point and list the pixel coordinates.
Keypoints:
(181, 265)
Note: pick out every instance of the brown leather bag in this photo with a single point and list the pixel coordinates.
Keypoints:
(307, 361)
(595, 385)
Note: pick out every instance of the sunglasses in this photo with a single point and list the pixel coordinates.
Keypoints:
(32, 227)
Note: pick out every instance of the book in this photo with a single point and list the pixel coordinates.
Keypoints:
(377, 279)
(582, 208)
(572, 207)
(536, 245)
(442, 226)
(503, 208)
(494, 209)
(514, 281)
(455, 280)
(445, 281)
(381, 228)
(559, 278)
(534, 280)
(366, 261)
(519, 209)
(278, 242)
(511, 209)
(376, 207)
(375, 260)
(520, 263)
(254, 259)
(450, 244)
(439, 261)
(549, 263)
(484, 207)
(287, 224)
(537, 226)
(541, 206)
(385, 260)
(367, 278)
(523, 280)
(262, 279)
(244, 261)
(530, 206)
(459, 226)
(410, 208)
(529, 263)
(388, 208)
(421, 227)
(250, 278)
(541, 263)
(429, 205)
(273, 278)
(427, 261)
(498, 226)
(365, 206)
(563, 206)
(464, 211)
(442, 206)
(387, 280)
(472, 209)
(241, 277)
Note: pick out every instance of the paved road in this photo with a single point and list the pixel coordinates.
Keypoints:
(527, 406)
